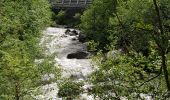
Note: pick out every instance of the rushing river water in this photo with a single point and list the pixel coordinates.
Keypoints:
(56, 41)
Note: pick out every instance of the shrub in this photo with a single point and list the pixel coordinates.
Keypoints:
(70, 90)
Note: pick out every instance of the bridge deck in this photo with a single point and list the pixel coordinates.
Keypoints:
(71, 3)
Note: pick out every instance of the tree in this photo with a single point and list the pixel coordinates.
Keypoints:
(154, 25)
(95, 21)
(21, 26)
(141, 30)
(162, 44)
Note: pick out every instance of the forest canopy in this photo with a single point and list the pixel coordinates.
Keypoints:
(132, 41)
(22, 22)
(128, 40)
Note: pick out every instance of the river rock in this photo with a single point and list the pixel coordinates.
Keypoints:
(74, 39)
(67, 32)
(75, 32)
(67, 26)
(71, 33)
(82, 37)
(78, 55)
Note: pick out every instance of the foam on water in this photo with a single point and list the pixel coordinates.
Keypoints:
(55, 41)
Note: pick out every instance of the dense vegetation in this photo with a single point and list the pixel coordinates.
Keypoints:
(22, 22)
(129, 37)
(136, 34)
(70, 17)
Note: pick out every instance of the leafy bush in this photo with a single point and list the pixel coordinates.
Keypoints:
(60, 17)
(95, 21)
(126, 75)
(70, 89)
(22, 22)
(23, 18)
(77, 16)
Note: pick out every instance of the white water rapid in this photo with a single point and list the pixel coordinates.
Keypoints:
(56, 41)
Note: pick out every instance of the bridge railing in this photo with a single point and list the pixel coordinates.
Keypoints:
(71, 3)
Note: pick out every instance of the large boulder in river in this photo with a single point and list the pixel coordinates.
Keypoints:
(71, 33)
(82, 37)
(78, 55)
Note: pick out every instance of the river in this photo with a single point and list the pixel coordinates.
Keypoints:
(57, 42)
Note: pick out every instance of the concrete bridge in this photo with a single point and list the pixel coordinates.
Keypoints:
(70, 3)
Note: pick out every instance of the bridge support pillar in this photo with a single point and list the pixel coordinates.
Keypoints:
(70, 2)
(85, 2)
(77, 2)
(62, 1)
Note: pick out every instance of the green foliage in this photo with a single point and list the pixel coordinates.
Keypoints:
(92, 45)
(23, 18)
(77, 16)
(46, 67)
(95, 21)
(70, 17)
(21, 25)
(125, 76)
(60, 17)
(70, 90)
(133, 28)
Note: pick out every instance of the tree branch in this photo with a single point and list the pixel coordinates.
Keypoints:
(160, 71)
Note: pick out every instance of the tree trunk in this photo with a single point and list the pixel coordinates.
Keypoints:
(164, 66)
(162, 47)
(158, 17)
(17, 97)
